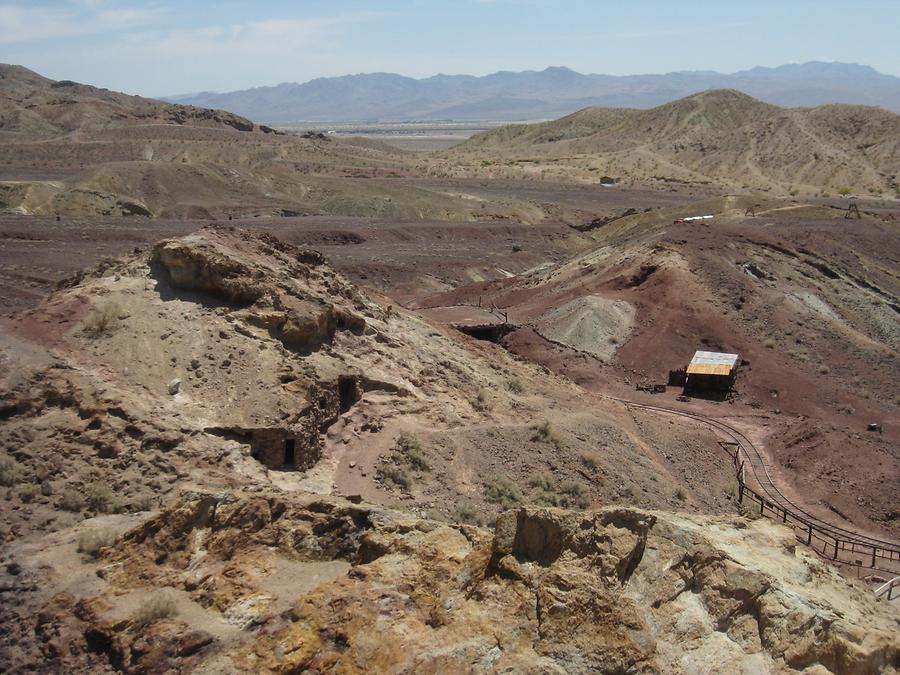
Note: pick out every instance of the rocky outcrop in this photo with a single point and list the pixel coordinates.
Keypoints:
(300, 320)
(615, 590)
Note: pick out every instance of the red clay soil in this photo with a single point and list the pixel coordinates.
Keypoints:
(811, 307)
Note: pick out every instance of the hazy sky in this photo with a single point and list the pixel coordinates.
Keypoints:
(166, 47)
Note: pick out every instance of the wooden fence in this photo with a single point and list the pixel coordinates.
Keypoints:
(822, 539)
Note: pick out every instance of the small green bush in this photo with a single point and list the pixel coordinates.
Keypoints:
(409, 448)
(160, 606)
(28, 492)
(102, 321)
(71, 500)
(91, 542)
(395, 474)
(101, 498)
(11, 471)
(503, 492)
(481, 403)
(545, 433)
(589, 459)
(844, 191)
(466, 513)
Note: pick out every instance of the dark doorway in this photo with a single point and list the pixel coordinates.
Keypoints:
(348, 392)
(289, 446)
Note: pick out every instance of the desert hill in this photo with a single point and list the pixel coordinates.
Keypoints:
(34, 105)
(549, 93)
(73, 150)
(151, 404)
(721, 137)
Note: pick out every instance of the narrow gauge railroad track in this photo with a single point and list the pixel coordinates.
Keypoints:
(753, 458)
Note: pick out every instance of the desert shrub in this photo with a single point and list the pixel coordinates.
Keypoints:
(824, 369)
(680, 494)
(156, 608)
(573, 495)
(503, 492)
(394, 474)
(589, 459)
(844, 191)
(145, 503)
(91, 542)
(71, 500)
(408, 449)
(100, 498)
(101, 321)
(545, 433)
(11, 471)
(769, 343)
(515, 386)
(467, 513)
(542, 481)
(28, 492)
(481, 402)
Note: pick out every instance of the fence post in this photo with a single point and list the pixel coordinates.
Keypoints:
(809, 535)
(762, 505)
(835, 549)
(874, 551)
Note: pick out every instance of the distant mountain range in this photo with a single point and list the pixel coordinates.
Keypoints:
(549, 93)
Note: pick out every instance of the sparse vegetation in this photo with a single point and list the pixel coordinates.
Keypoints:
(769, 343)
(589, 459)
(11, 471)
(824, 369)
(71, 500)
(410, 451)
(102, 321)
(515, 386)
(467, 513)
(680, 494)
(158, 607)
(92, 542)
(481, 403)
(566, 494)
(407, 454)
(503, 492)
(844, 191)
(100, 498)
(545, 433)
(394, 474)
(28, 492)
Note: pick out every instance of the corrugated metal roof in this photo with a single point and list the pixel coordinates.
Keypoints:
(712, 363)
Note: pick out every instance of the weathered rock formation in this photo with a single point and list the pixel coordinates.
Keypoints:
(616, 590)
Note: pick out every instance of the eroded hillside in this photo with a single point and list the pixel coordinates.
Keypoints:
(150, 408)
(77, 150)
(723, 138)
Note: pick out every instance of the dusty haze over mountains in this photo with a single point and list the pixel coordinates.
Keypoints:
(553, 92)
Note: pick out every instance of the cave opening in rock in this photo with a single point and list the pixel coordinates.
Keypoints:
(290, 446)
(493, 332)
(348, 392)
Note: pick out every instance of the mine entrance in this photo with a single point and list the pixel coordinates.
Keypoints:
(348, 393)
(492, 332)
(290, 445)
